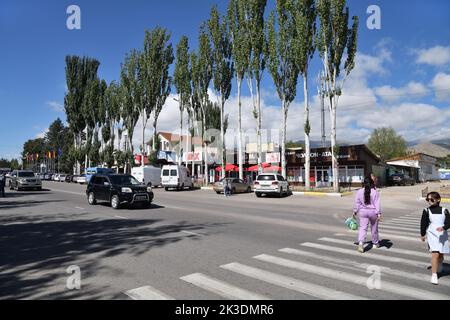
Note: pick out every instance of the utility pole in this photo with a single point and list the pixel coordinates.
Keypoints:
(321, 92)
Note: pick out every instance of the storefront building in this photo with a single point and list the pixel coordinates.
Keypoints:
(355, 162)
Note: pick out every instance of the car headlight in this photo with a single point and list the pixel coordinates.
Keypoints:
(149, 189)
(127, 190)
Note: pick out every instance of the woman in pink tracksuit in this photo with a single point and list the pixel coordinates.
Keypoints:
(367, 207)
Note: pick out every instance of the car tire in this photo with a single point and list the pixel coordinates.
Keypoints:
(258, 195)
(280, 195)
(11, 186)
(233, 191)
(249, 189)
(218, 192)
(167, 189)
(115, 202)
(91, 199)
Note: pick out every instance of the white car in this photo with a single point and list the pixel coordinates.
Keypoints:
(56, 177)
(270, 183)
(62, 177)
(82, 179)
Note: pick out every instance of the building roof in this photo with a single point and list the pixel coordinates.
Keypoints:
(175, 138)
(415, 156)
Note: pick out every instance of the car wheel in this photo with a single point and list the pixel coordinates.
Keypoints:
(167, 189)
(258, 195)
(218, 192)
(280, 195)
(91, 199)
(115, 202)
(11, 186)
(249, 190)
(233, 191)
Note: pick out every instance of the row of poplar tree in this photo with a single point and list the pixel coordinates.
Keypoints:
(236, 46)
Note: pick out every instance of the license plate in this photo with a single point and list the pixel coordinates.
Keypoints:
(141, 198)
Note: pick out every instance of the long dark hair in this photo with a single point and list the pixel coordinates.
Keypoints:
(368, 186)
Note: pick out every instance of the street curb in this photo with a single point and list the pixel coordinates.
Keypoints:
(445, 200)
(321, 194)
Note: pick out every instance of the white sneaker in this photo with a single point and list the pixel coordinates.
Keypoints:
(434, 278)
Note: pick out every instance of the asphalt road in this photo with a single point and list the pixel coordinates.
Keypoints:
(198, 245)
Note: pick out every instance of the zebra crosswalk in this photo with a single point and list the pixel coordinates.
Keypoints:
(328, 268)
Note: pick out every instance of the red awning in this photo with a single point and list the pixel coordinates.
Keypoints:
(255, 167)
(273, 169)
(228, 167)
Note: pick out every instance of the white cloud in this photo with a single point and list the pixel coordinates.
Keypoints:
(57, 107)
(436, 56)
(441, 85)
(411, 90)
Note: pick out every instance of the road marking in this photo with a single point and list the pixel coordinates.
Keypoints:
(401, 223)
(147, 293)
(401, 233)
(383, 235)
(370, 255)
(120, 217)
(352, 278)
(290, 283)
(382, 249)
(417, 229)
(79, 208)
(352, 264)
(406, 220)
(221, 288)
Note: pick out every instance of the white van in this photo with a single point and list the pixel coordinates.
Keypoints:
(147, 174)
(176, 177)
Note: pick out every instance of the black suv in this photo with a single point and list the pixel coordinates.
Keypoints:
(401, 179)
(118, 189)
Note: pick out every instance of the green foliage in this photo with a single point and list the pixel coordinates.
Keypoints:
(182, 75)
(292, 144)
(387, 144)
(13, 164)
(307, 127)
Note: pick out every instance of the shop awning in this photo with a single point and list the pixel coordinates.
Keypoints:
(273, 169)
(228, 167)
(255, 167)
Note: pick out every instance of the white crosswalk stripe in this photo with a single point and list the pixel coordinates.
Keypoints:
(382, 249)
(412, 229)
(383, 235)
(352, 278)
(147, 293)
(221, 288)
(374, 256)
(311, 289)
(354, 265)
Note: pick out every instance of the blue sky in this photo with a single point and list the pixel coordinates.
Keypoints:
(402, 77)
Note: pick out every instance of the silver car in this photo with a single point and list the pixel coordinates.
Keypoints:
(24, 180)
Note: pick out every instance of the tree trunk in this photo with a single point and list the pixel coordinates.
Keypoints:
(222, 139)
(181, 135)
(154, 135)
(307, 142)
(192, 144)
(187, 142)
(258, 131)
(240, 158)
(205, 169)
(143, 139)
(335, 164)
(284, 109)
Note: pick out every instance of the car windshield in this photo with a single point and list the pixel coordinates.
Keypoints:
(26, 174)
(266, 178)
(124, 180)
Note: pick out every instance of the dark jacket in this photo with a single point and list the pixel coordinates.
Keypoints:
(425, 221)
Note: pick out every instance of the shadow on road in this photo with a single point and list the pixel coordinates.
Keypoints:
(37, 250)
(5, 205)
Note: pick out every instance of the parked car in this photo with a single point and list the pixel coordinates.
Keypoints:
(147, 175)
(118, 190)
(69, 178)
(270, 183)
(401, 179)
(82, 179)
(74, 178)
(97, 170)
(176, 177)
(55, 177)
(24, 179)
(62, 178)
(237, 186)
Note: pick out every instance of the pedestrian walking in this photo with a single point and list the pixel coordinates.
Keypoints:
(368, 209)
(2, 185)
(433, 228)
(226, 187)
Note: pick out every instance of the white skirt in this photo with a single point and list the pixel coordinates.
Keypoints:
(437, 241)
